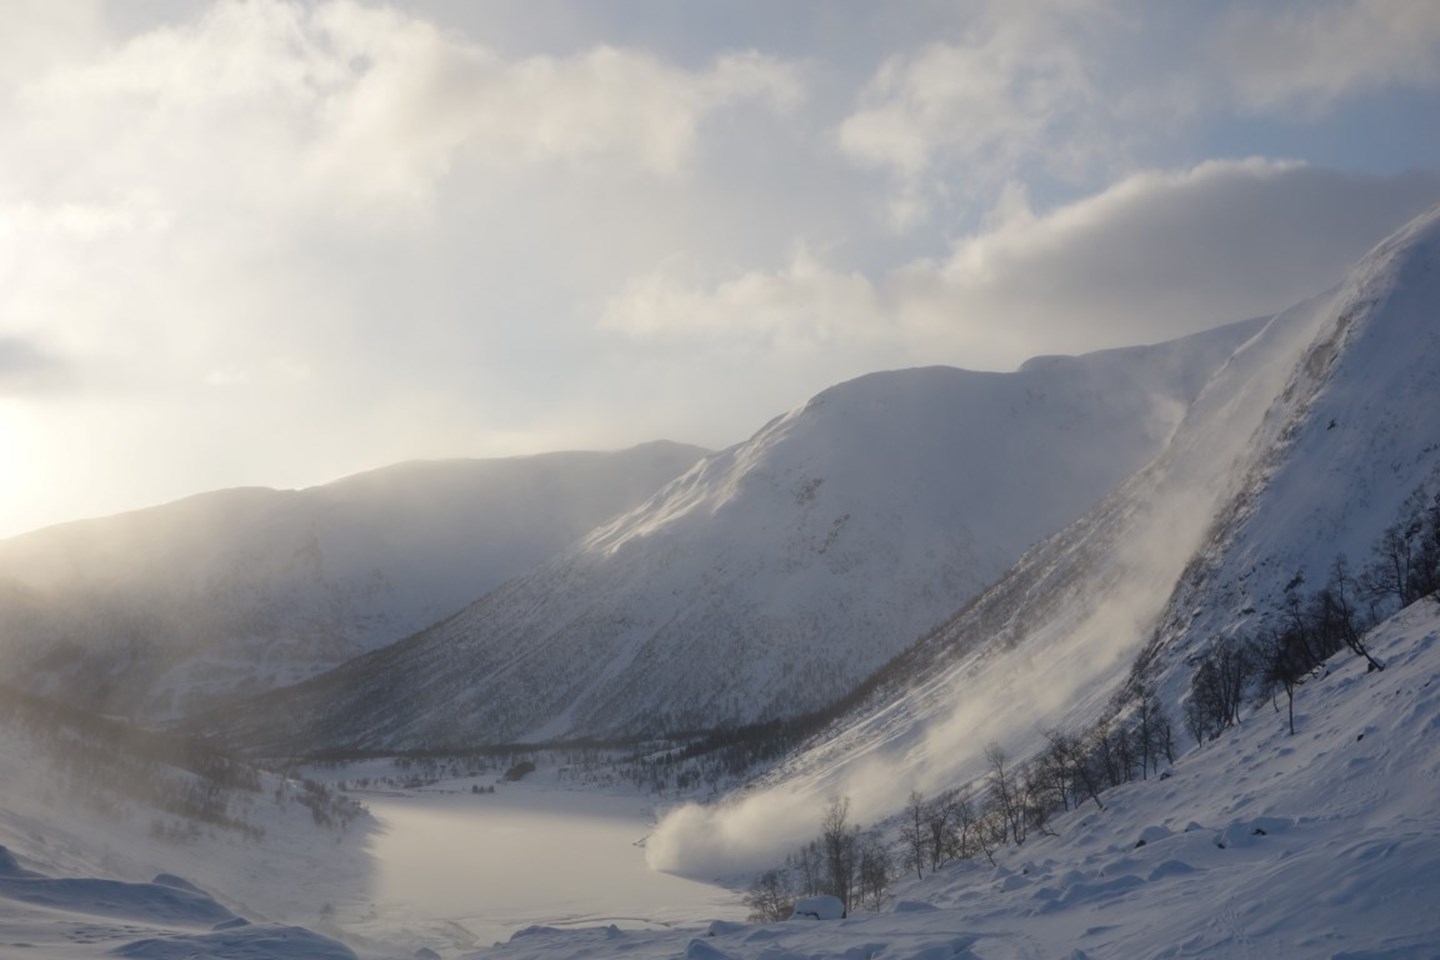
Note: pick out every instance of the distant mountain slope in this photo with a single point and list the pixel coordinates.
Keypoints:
(236, 591)
(773, 575)
(1305, 444)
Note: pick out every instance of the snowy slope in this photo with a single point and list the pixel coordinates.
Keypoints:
(773, 575)
(1254, 471)
(99, 821)
(1320, 846)
(245, 589)
(1362, 437)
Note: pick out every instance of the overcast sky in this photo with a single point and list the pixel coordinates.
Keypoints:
(276, 242)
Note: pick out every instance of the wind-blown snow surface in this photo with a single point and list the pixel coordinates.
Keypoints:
(1254, 471)
(236, 591)
(92, 851)
(1321, 845)
(774, 575)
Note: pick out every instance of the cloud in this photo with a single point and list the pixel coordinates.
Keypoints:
(279, 180)
(1015, 91)
(1159, 255)
(1156, 256)
(1307, 56)
(282, 102)
(293, 239)
(805, 305)
(274, 242)
(38, 33)
(26, 369)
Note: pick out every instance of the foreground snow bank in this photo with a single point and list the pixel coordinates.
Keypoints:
(166, 919)
(266, 942)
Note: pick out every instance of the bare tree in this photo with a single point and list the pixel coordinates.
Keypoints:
(962, 840)
(874, 874)
(838, 841)
(1055, 772)
(1285, 663)
(1390, 576)
(990, 830)
(807, 865)
(1037, 799)
(1005, 791)
(1072, 755)
(768, 897)
(1152, 729)
(1337, 601)
(915, 833)
(1217, 689)
(942, 824)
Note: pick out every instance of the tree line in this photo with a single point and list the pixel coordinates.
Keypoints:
(1010, 803)
(1311, 628)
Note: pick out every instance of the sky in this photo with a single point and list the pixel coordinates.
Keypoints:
(274, 242)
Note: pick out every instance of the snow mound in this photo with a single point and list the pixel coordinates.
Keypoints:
(150, 902)
(254, 942)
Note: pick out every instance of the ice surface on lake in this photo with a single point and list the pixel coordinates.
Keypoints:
(527, 855)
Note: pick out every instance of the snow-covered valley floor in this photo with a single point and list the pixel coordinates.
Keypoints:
(1321, 845)
(456, 870)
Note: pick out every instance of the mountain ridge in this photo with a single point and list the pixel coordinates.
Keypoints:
(242, 589)
(772, 575)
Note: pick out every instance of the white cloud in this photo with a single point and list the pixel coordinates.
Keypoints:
(283, 240)
(1016, 90)
(25, 369)
(1156, 256)
(280, 101)
(39, 33)
(1309, 55)
(804, 305)
(326, 234)
(160, 198)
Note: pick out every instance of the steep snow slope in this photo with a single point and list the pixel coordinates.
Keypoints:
(1363, 436)
(773, 575)
(1254, 471)
(239, 590)
(1320, 846)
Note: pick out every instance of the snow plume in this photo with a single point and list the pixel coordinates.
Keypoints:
(700, 841)
(1047, 646)
(1062, 672)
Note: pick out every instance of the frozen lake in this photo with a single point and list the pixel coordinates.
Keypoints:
(473, 868)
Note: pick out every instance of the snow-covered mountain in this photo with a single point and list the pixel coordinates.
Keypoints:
(1306, 443)
(147, 613)
(772, 576)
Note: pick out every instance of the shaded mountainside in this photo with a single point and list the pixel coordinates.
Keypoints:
(774, 575)
(1308, 442)
(147, 613)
